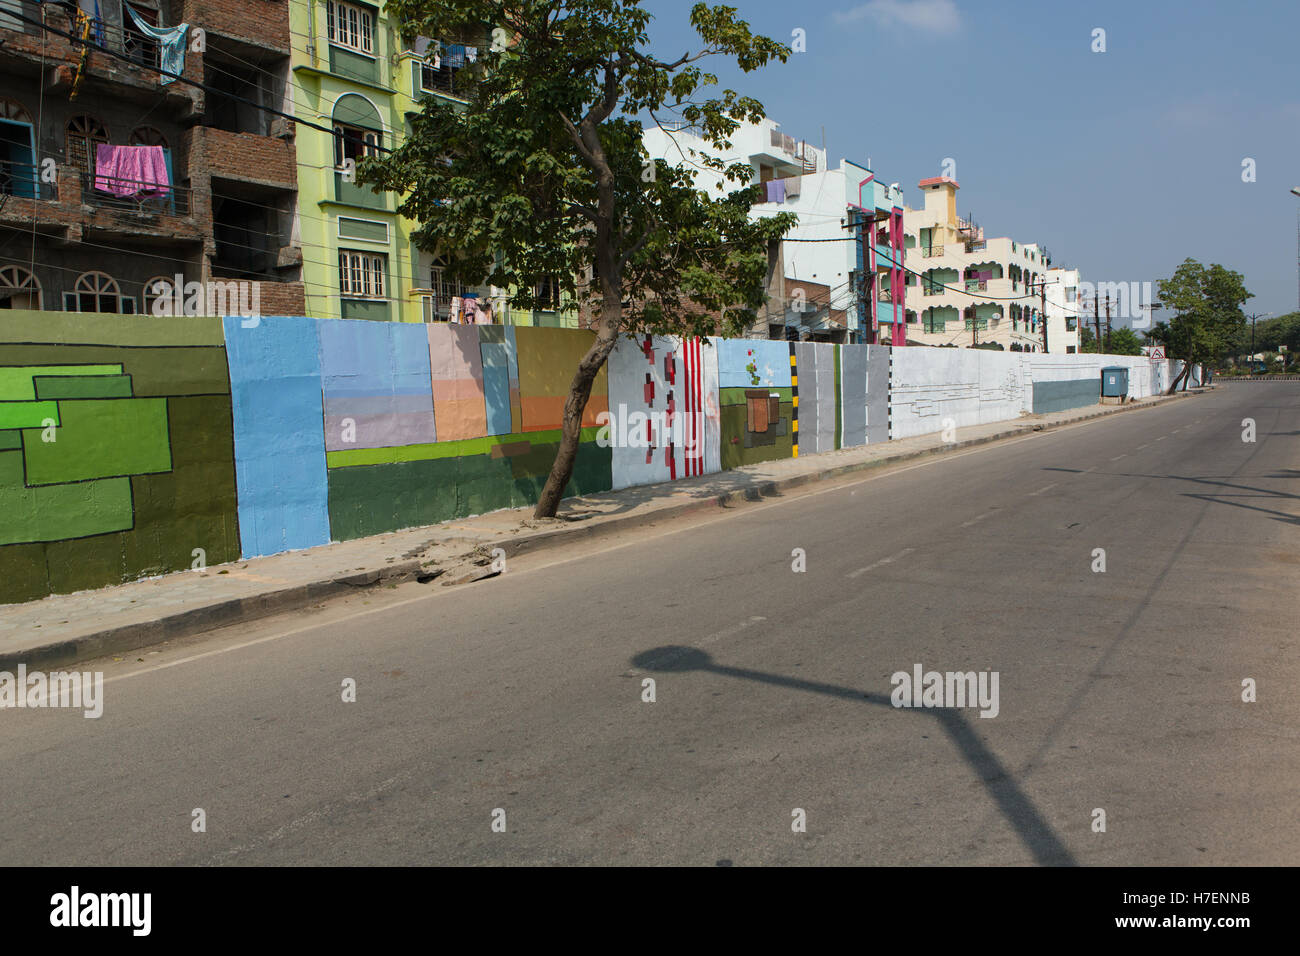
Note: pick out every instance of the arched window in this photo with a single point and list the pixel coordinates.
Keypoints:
(79, 139)
(19, 289)
(147, 136)
(159, 287)
(97, 292)
(13, 111)
(358, 130)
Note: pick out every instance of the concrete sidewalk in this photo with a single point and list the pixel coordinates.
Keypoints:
(64, 628)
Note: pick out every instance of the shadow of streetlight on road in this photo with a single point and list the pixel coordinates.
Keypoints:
(1015, 806)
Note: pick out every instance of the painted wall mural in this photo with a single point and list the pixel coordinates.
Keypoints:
(116, 451)
(398, 425)
(664, 421)
(131, 445)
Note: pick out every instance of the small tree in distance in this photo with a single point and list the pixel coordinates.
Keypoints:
(543, 174)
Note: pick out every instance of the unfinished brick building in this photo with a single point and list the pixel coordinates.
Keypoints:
(67, 243)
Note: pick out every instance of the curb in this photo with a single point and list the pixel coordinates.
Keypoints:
(130, 637)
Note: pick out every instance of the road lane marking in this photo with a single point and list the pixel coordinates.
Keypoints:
(679, 652)
(976, 520)
(1033, 494)
(1162, 438)
(1118, 457)
(888, 560)
(1140, 447)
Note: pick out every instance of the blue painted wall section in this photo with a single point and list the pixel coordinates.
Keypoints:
(376, 385)
(275, 385)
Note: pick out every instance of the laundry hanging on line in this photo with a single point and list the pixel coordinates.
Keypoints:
(131, 170)
(171, 45)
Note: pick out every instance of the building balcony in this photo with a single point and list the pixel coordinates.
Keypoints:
(23, 181)
(977, 285)
(245, 157)
(931, 252)
(172, 201)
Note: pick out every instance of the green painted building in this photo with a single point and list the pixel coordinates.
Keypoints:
(355, 74)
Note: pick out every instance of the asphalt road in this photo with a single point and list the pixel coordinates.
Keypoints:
(1119, 691)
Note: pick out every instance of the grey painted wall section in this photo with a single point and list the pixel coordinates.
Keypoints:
(1061, 395)
(853, 387)
(877, 393)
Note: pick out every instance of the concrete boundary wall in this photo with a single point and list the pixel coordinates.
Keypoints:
(133, 446)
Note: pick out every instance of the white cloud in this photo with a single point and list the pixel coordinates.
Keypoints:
(936, 16)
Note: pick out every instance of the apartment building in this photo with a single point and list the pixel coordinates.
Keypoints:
(972, 289)
(115, 176)
(1063, 310)
(357, 75)
(826, 273)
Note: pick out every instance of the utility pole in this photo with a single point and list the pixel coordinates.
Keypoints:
(1257, 315)
(1096, 320)
(1107, 322)
(1042, 299)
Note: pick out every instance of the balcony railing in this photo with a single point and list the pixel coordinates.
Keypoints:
(977, 245)
(150, 199)
(31, 9)
(23, 181)
(932, 290)
(929, 252)
(977, 285)
(435, 307)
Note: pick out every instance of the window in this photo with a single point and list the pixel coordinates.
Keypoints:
(1070, 349)
(159, 287)
(97, 292)
(1071, 293)
(353, 142)
(547, 294)
(350, 27)
(361, 274)
(445, 288)
(79, 139)
(146, 136)
(18, 289)
(17, 163)
(138, 46)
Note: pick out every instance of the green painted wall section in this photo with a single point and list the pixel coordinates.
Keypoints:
(352, 457)
(374, 499)
(140, 471)
(100, 438)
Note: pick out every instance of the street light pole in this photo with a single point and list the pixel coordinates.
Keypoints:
(1257, 315)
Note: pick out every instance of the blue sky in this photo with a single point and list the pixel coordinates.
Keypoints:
(1122, 163)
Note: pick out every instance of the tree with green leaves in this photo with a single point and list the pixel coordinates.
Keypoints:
(543, 174)
(1123, 341)
(1207, 314)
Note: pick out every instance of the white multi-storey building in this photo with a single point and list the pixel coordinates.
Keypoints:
(972, 289)
(1063, 305)
(819, 291)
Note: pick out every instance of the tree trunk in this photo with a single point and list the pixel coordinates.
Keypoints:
(1178, 378)
(574, 405)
